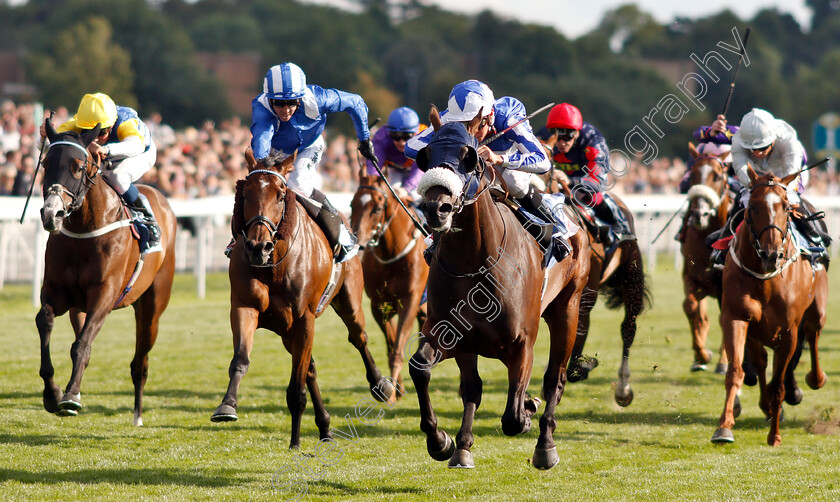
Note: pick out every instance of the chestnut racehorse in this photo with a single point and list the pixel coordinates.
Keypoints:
(709, 204)
(486, 291)
(279, 270)
(93, 265)
(394, 269)
(616, 273)
(769, 293)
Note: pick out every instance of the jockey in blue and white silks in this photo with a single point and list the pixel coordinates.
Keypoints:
(517, 153)
(288, 118)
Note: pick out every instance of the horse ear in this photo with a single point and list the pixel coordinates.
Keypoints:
(751, 173)
(790, 177)
(250, 161)
(422, 159)
(90, 135)
(288, 164)
(693, 150)
(51, 133)
(472, 126)
(469, 158)
(434, 118)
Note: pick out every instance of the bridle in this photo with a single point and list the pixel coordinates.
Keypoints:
(701, 188)
(260, 219)
(86, 180)
(382, 225)
(787, 236)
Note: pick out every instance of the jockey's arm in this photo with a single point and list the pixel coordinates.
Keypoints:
(527, 154)
(262, 130)
(130, 142)
(334, 100)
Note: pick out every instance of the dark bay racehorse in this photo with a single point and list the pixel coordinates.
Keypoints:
(394, 269)
(486, 291)
(709, 204)
(770, 293)
(619, 275)
(93, 265)
(279, 269)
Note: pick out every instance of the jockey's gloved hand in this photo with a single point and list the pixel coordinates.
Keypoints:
(366, 149)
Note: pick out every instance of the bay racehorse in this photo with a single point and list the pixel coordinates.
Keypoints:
(93, 265)
(282, 277)
(708, 207)
(617, 273)
(487, 289)
(394, 269)
(770, 293)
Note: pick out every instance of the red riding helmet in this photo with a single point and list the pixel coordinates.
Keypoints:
(564, 116)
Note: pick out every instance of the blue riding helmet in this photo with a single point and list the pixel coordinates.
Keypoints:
(285, 81)
(467, 99)
(404, 119)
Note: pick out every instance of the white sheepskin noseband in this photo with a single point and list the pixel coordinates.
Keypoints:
(440, 176)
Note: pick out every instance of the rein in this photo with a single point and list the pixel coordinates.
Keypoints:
(263, 220)
(381, 228)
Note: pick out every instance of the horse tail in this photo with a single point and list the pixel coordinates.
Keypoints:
(627, 283)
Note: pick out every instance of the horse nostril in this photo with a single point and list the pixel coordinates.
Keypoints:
(444, 208)
(268, 248)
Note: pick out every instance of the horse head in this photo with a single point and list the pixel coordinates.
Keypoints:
(708, 183)
(450, 162)
(767, 218)
(261, 203)
(69, 172)
(372, 208)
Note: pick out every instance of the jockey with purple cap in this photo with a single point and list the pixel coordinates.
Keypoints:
(516, 154)
(289, 117)
(389, 145)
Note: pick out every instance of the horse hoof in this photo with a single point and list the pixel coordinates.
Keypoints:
(624, 399)
(774, 439)
(71, 402)
(794, 397)
(815, 383)
(461, 459)
(138, 420)
(66, 413)
(580, 369)
(723, 435)
(384, 392)
(444, 453)
(51, 400)
(721, 368)
(695, 367)
(736, 408)
(533, 405)
(750, 380)
(224, 413)
(545, 459)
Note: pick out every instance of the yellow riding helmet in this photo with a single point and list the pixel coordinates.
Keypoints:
(95, 109)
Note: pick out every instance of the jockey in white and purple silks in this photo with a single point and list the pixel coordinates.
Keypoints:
(517, 153)
(389, 145)
(288, 118)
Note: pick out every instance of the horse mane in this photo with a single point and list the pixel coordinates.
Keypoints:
(284, 229)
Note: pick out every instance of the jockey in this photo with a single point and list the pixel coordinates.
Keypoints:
(288, 118)
(126, 142)
(389, 145)
(770, 145)
(580, 150)
(517, 153)
(714, 139)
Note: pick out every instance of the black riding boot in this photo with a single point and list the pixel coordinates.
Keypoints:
(142, 205)
(535, 204)
(609, 212)
(718, 257)
(329, 222)
(809, 227)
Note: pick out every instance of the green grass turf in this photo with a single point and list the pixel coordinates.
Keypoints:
(656, 449)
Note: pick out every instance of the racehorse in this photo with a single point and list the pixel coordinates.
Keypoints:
(282, 276)
(486, 291)
(93, 266)
(617, 273)
(769, 293)
(394, 269)
(709, 204)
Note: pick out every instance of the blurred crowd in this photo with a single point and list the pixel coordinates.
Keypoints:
(206, 161)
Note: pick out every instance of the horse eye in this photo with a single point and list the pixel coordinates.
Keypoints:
(376, 209)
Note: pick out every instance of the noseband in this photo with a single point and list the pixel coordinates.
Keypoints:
(260, 219)
(86, 182)
(383, 224)
(695, 194)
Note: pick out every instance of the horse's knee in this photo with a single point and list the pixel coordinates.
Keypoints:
(295, 399)
(45, 319)
(515, 423)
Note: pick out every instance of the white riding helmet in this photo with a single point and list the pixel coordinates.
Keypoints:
(758, 129)
(466, 99)
(285, 81)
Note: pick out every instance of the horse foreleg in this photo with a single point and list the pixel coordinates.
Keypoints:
(471, 397)
(80, 352)
(301, 337)
(438, 443)
(698, 321)
(776, 389)
(322, 417)
(147, 311)
(793, 394)
(579, 365)
(633, 295)
(406, 314)
(516, 419)
(734, 338)
(757, 354)
(243, 323)
(385, 317)
(45, 321)
(813, 323)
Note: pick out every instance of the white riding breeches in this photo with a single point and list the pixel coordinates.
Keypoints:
(130, 169)
(518, 182)
(304, 178)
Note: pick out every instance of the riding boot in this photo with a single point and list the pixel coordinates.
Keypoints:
(609, 212)
(141, 205)
(534, 202)
(718, 256)
(341, 240)
(809, 227)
